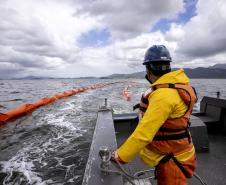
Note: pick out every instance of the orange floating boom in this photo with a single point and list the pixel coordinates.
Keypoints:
(29, 107)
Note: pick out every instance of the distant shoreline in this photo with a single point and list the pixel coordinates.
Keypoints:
(196, 73)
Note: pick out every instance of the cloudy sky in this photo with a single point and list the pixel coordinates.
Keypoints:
(73, 38)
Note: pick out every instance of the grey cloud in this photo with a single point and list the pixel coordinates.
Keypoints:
(129, 18)
(25, 43)
(204, 35)
(42, 51)
(137, 46)
(20, 59)
(7, 70)
(23, 37)
(204, 48)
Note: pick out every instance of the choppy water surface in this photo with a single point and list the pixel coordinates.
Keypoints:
(51, 145)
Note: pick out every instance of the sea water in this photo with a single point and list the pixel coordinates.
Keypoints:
(51, 144)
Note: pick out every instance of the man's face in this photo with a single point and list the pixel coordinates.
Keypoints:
(150, 76)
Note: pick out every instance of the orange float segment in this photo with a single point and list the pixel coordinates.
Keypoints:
(75, 91)
(59, 95)
(29, 107)
(126, 94)
(128, 98)
(81, 89)
(38, 103)
(20, 111)
(48, 100)
(52, 99)
(3, 118)
(66, 94)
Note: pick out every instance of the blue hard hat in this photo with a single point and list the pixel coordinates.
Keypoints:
(157, 53)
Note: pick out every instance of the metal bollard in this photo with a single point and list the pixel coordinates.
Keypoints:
(105, 102)
(218, 94)
(105, 156)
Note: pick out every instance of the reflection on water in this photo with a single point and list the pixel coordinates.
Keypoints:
(50, 146)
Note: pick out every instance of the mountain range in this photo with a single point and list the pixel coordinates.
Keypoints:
(219, 66)
(215, 72)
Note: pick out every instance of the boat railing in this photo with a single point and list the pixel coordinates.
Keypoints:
(104, 136)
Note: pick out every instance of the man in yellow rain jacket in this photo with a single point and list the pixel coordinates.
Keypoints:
(162, 138)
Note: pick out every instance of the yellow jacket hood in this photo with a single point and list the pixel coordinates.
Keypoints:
(173, 77)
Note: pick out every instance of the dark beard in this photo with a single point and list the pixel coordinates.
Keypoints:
(146, 77)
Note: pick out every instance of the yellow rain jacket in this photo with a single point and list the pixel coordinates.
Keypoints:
(164, 103)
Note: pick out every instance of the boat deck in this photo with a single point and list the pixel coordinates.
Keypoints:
(211, 165)
(112, 130)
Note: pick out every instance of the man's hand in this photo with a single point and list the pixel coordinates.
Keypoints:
(115, 157)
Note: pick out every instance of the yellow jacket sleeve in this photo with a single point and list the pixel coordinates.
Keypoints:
(159, 109)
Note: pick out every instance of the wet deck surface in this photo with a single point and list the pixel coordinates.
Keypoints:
(211, 166)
